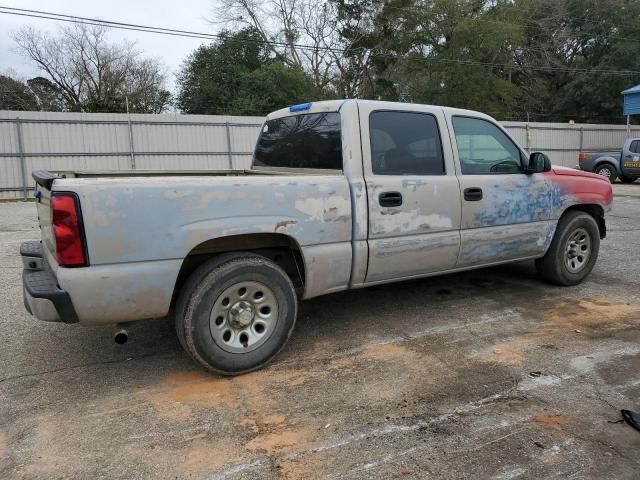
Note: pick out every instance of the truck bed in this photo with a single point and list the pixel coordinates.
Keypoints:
(46, 175)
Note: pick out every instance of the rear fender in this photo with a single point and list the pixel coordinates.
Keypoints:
(607, 159)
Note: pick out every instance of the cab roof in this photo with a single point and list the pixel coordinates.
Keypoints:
(335, 105)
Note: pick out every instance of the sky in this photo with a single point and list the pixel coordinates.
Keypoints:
(171, 51)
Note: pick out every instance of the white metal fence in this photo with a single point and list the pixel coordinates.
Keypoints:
(78, 141)
(562, 142)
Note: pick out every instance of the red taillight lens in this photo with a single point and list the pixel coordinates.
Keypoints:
(65, 220)
(580, 157)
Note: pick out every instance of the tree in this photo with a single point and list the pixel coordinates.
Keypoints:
(300, 33)
(271, 87)
(47, 94)
(577, 40)
(15, 95)
(238, 75)
(93, 75)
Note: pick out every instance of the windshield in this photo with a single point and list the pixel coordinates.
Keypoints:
(301, 141)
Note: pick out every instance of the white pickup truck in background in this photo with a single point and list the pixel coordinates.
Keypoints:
(341, 194)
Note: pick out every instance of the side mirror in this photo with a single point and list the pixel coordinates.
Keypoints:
(539, 163)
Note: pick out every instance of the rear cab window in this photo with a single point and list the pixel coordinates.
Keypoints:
(311, 141)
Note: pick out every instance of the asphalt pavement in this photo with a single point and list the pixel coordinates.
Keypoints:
(485, 374)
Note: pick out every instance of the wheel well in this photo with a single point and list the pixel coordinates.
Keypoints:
(596, 211)
(603, 163)
(279, 248)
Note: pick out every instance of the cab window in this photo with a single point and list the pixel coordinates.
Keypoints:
(485, 149)
(405, 143)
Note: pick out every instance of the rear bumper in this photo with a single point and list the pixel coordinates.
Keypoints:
(43, 298)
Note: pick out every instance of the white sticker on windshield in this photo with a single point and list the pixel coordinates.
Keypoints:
(265, 129)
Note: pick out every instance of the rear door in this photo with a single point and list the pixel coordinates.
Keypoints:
(505, 212)
(413, 193)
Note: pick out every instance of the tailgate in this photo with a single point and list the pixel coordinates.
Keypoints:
(44, 182)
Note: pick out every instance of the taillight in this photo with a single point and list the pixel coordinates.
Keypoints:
(67, 230)
(580, 157)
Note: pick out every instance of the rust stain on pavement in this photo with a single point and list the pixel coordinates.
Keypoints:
(506, 353)
(3, 443)
(281, 441)
(564, 315)
(198, 388)
(590, 313)
(205, 457)
(549, 420)
(310, 467)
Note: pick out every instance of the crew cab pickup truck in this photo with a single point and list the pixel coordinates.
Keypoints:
(624, 164)
(340, 195)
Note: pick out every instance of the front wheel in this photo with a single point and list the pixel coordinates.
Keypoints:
(573, 251)
(235, 313)
(607, 170)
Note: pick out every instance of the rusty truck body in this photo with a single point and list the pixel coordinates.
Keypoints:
(341, 194)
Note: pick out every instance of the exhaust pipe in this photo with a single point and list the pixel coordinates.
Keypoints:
(121, 336)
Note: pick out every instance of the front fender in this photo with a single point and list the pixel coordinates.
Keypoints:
(569, 190)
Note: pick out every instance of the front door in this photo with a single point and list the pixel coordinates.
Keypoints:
(413, 193)
(505, 212)
(631, 160)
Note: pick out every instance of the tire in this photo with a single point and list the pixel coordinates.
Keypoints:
(625, 179)
(557, 266)
(235, 313)
(607, 170)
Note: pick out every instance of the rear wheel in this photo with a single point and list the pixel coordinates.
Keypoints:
(235, 313)
(607, 170)
(625, 179)
(573, 251)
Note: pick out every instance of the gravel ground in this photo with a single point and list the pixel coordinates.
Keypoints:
(487, 374)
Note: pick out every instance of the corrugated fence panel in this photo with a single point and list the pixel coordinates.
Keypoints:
(183, 162)
(243, 139)
(8, 138)
(79, 141)
(519, 134)
(611, 139)
(61, 163)
(179, 138)
(10, 176)
(242, 162)
(10, 172)
(74, 138)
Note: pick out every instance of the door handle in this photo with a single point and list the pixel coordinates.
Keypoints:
(473, 194)
(390, 199)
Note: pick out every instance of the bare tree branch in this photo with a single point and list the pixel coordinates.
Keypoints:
(93, 74)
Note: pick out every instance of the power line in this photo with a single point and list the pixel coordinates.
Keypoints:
(212, 36)
(23, 12)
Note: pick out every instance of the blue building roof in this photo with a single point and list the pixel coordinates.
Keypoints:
(632, 101)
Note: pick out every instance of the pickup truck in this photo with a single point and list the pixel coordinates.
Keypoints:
(624, 164)
(340, 195)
